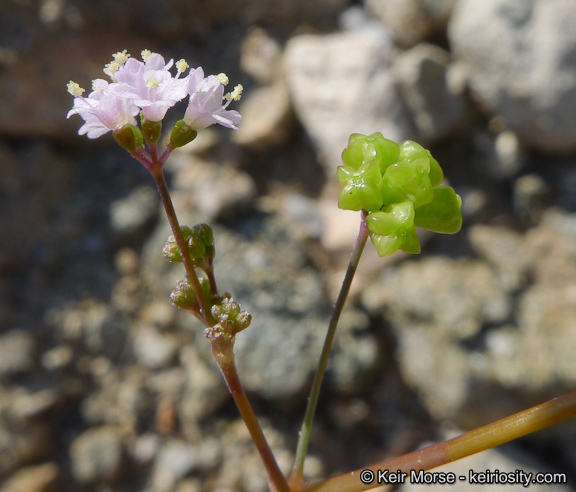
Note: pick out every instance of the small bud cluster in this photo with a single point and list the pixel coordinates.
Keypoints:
(400, 188)
(183, 295)
(200, 241)
(230, 320)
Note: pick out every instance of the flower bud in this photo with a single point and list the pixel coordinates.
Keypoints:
(182, 134)
(204, 236)
(171, 251)
(200, 240)
(129, 137)
(183, 295)
(230, 320)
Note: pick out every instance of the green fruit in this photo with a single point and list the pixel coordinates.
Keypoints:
(393, 228)
(410, 151)
(408, 180)
(362, 148)
(360, 188)
(442, 214)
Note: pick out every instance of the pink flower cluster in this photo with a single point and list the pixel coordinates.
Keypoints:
(150, 87)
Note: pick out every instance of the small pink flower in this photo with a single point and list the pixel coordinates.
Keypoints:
(103, 110)
(206, 106)
(150, 85)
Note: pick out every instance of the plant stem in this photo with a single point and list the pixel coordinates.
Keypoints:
(158, 174)
(303, 442)
(223, 354)
(485, 437)
(225, 358)
(212, 279)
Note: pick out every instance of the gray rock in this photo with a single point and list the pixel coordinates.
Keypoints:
(266, 118)
(354, 354)
(470, 294)
(473, 336)
(146, 447)
(177, 459)
(341, 84)
(57, 358)
(410, 21)
(132, 214)
(261, 56)
(38, 478)
(530, 192)
(153, 349)
(507, 253)
(102, 330)
(211, 189)
(436, 308)
(120, 398)
(30, 399)
(16, 352)
(437, 105)
(536, 354)
(205, 390)
(22, 442)
(97, 455)
(276, 354)
(521, 62)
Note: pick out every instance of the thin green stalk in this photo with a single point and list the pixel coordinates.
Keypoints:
(158, 174)
(225, 358)
(303, 442)
(485, 437)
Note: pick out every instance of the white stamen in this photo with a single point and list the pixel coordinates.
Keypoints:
(121, 57)
(152, 83)
(75, 89)
(223, 78)
(235, 95)
(181, 65)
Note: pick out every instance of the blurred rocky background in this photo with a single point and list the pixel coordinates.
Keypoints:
(105, 387)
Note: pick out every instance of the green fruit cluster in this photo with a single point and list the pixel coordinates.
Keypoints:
(399, 186)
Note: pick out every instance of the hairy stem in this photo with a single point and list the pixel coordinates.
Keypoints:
(303, 442)
(485, 437)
